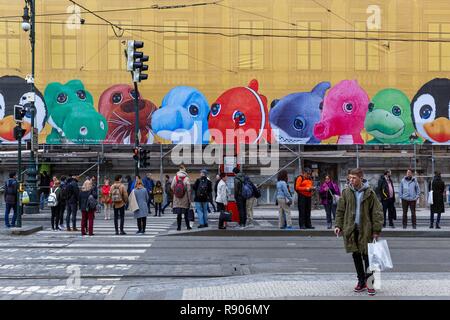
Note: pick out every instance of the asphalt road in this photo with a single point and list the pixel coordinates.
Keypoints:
(161, 265)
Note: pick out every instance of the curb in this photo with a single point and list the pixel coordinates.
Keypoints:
(303, 233)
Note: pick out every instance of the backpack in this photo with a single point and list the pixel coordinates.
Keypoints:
(256, 191)
(202, 189)
(52, 198)
(64, 192)
(180, 189)
(92, 202)
(247, 189)
(116, 195)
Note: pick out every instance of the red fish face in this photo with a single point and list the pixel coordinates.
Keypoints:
(242, 110)
(116, 104)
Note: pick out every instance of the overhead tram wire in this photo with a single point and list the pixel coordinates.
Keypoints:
(155, 42)
(154, 7)
(234, 35)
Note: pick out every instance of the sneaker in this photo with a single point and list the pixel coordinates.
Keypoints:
(117, 233)
(431, 226)
(360, 287)
(414, 227)
(371, 292)
(74, 229)
(289, 228)
(61, 227)
(189, 228)
(200, 226)
(122, 233)
(311, 227)
(138, 232)
(282, 228)
(68, 229)
(178, 229)
(438, 226)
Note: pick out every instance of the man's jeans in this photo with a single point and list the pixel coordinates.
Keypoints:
(202, 212)
(8, 208)
(71, 211)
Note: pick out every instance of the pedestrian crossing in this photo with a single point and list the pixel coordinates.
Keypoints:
(47, 259)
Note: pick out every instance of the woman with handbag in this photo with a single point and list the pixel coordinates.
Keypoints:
(437, 206)
(88, 206)
(222, 199)
(284, 200)
(329, 194)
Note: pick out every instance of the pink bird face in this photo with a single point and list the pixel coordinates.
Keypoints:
(344, 111)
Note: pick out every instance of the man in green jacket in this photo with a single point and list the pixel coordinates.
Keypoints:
(359, 217)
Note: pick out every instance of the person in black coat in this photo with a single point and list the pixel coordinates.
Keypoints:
(73, 198)
(387, 195)
(203, 194)
(438, 188)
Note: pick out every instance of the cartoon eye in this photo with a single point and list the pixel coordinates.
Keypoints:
(396, 111)
(426, 111)
(61, 98)
(193, 110)
(133, 94)
(321, 106)
(117, 98)
(81, 94)
(239, 115)
(83, 131)
(102, 125)
(215, 109)
(299, 124)
(371, 107)
(347, 107)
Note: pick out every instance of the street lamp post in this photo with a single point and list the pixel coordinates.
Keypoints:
(31, 180)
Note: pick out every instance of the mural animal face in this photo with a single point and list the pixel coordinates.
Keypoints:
(240, 108)
(183, 117)
(16, 91)
(293, 117)
(72, 114)
(389, 117)
(116, 104)
(430, 110)
(344, 111)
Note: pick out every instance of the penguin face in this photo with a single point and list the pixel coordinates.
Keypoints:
(430, 110)
(15, 91)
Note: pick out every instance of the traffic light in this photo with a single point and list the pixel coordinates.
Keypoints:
(136, 59)
(144, 158)
(19, 133)
(136, 154)
(19, 113)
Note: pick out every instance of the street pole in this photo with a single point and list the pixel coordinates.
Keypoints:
(357, 156)
(19, 165)
(31, 185)
(432, 161)
(136, 127)
(415, 160)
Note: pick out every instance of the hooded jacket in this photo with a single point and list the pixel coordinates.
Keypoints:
(238, 182)
(11, 197)
(184, 202)
(409, 189)
(370, 216)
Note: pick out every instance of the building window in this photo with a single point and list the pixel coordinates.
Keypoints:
(116, 55)
(176, 45)
(63, 47)
(9, 45)
(439, 52)
(309, 50)
(367, 54)
(251, 49)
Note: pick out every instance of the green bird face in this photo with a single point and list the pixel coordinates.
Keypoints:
(72, 114)
(389, 117)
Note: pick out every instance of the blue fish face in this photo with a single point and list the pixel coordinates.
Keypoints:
(293, 117)
(183, 117)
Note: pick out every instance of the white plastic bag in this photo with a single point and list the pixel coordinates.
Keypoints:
(430, 197)
(379, 256)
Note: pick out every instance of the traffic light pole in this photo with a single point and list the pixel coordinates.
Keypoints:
(19, 172)
(31, 185)
(136, 126)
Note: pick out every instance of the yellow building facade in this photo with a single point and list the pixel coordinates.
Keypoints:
(305, 42)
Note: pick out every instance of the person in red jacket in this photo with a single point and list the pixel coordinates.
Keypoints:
(304, 188)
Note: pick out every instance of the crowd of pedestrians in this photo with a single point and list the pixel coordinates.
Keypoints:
(188, 198)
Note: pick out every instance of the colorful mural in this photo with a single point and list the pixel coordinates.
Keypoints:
(343, 113)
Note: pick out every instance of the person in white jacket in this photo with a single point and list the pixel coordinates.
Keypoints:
(222, 197)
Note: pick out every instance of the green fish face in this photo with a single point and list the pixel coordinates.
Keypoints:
(389, 118)
(72, 115)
